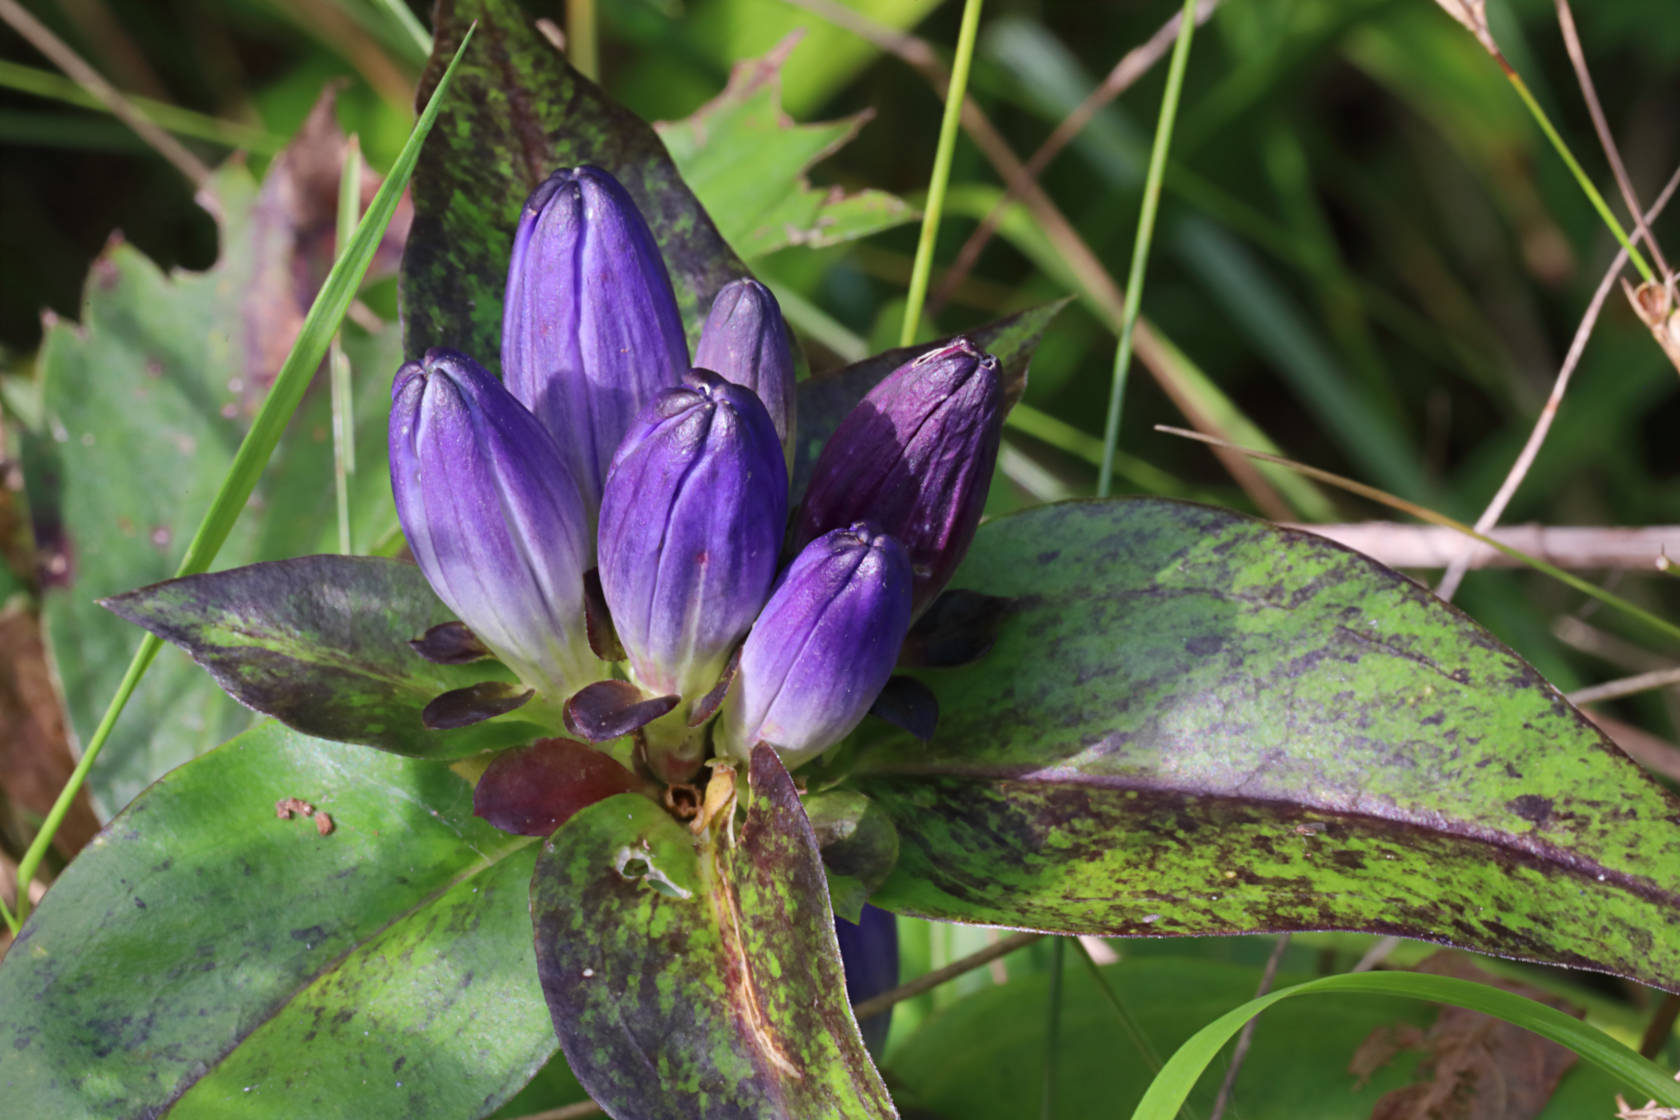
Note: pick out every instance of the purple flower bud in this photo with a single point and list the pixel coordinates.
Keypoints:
(691, 525)
(746, 341)
(822, 648)
(869, 952)
(916, 458)
(590, 328)
(492, 516)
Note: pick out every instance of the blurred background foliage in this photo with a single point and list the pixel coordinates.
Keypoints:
(1365, 246)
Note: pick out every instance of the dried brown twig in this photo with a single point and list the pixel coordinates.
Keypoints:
(1575, 547)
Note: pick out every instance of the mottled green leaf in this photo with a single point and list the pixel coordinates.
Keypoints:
(1195, 723)
(143, 404)
(206, 958)
(689, 977)
(765, 203)
(514, 113)
(825, 400)
(322, 644)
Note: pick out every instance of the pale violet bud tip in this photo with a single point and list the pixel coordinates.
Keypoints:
(492, 516)
(916, 457)
(590, 327)
(822, 648)
(746, 341)
(691, 526)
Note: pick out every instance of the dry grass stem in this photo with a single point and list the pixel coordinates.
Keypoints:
(1246, 1038)
(1575, 547)
(1627, 686)
(1473, 15)
(1548, 412)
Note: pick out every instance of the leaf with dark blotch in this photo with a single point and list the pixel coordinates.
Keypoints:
(958, 627)
(690, 978)
(463, 707)
(531, 791)
(322, 644)
(597, 619)
(908, 704)
(824, 400)
(205, 958)
(449, 643)
(1197, 723)
(609, 709)
(514, 113)
(765, 203)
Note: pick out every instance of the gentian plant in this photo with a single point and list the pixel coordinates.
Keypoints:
(627, 776)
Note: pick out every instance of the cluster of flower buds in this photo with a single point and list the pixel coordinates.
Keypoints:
(602, 445)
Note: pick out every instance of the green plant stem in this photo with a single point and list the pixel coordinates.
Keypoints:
(319, 326)
(583, 39)
(338, 363)
(1140, 244)
(949, 126)
(1167, 1093)
(1575, 169)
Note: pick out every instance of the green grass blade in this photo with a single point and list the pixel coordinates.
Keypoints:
(1140, 243)
(319, 326)
(1168, 1092)
(954, 95)
(338, 363)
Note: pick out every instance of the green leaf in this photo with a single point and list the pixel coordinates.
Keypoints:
(205, 958)
(1197, 723)
(143, 405)
(515, 113)
(688, 977)
(1169, 1090)
(321, 643)
(765, 203)
(825, 400)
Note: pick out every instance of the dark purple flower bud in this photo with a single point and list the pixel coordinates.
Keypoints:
(492, 516)
(746, 341)
(822, 648)
(590, 328)
(869, 952)
(691, 527)
(916, 458)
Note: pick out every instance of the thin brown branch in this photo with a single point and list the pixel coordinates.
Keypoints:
(1626, 686)
(60, 54)
(567, 1112)
(925, 983)
(1246, 1038)
(1572, 44)
(1090, 272)
(1133, 65)
(1574, 547)
(1655, 754)
(1548, 412)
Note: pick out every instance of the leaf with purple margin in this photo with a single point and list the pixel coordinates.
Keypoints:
(514, 112)
(204, 958)
(824, 400)
(690, 978)
(1197, 723)
(322, 644)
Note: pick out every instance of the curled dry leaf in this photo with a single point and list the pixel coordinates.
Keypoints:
(1473, 15)
(1476, 1067)
(1654, 303)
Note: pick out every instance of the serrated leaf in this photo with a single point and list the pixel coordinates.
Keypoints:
(765, 203)
(204, 957)
(515, 112)
(143, 404)
(691, 978)
(322, 644)
(1198, 723)
(825, 400)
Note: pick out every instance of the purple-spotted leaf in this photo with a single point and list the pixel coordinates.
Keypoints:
(322, 644)
(206, 957)
(688, 977)
(515, 112)
(1197, 723)
(824, 400)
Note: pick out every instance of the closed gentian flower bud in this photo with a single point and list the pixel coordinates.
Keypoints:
(691, 525)
(915, 457)
(590, 328)
(492, 516)
(746, 341)
(869, 952)
(822, 648)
